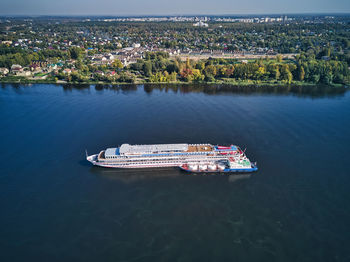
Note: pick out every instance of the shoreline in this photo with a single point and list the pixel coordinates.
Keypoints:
(228, 83)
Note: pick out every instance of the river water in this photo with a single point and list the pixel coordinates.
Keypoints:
(56, 207)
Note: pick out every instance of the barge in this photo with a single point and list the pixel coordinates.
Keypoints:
(196, 158)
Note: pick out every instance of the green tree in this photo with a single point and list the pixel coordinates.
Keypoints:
(277, 73)
(75, 52)
(287, 76)
(147, 68)
(301, 73)
(172, 77)
(210, 70)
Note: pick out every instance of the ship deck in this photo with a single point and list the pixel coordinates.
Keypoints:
(191, 149)
(200, 148)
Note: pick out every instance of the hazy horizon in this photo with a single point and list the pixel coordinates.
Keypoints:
(169, 8)
(176, 14)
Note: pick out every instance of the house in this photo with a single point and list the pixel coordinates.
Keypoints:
(99, 59)
(16, 68)
(40, 63)
(24, 73)
(4, 71)
(111, 73)
(109, 57)
(71, 62)
(128, 49)
(6, 42)
(99, 72)
(51, 67)
(35, 68)
(200, 24)
(67, 71)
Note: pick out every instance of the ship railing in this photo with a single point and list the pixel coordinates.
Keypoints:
(165, 161)
(168, 158)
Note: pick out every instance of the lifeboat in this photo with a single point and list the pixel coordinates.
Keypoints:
(203, 167)
(221, 167)
(212, 167)
(193, 167)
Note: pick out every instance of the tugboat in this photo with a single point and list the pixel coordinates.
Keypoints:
(228, 166)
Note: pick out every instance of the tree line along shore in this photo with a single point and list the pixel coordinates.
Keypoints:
(159, 67)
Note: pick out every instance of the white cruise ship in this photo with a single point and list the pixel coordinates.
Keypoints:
(189, 157)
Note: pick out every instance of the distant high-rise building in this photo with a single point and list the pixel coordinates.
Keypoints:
(201, 24)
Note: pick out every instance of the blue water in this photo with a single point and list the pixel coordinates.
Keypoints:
(57, 207)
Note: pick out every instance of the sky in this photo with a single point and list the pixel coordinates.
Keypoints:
(170, 7)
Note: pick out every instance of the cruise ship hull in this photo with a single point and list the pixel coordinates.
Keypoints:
(194, 158)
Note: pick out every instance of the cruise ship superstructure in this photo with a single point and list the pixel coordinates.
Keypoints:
(189, 157)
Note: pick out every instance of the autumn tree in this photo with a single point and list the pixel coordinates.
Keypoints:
(279, 58)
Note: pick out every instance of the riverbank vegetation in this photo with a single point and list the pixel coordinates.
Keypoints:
(158, 67)
(305, 68)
